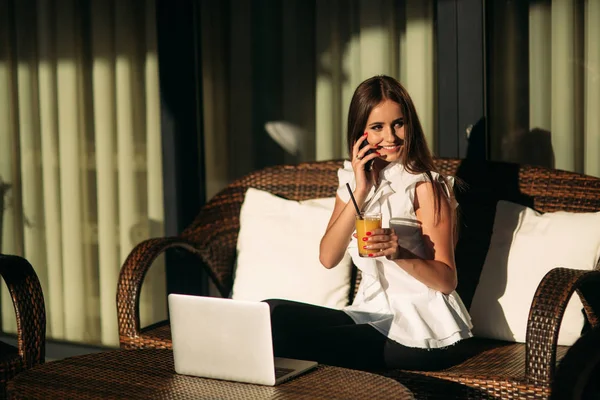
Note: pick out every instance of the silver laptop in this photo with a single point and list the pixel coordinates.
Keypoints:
(227, 339)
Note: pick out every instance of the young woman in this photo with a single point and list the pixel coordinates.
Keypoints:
(406, 313)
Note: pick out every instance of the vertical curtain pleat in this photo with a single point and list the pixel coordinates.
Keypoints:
(540, 66)
(327, 102)
(419, 67)
(9, 241)
(106, 149)
(563, 83)
(349, 33)
(74, 307)
(592, 88)
(126, 125)
(50, 163)
(401, 60)
(87, 173)
(374, 39)
(155, 309)
(30, 142)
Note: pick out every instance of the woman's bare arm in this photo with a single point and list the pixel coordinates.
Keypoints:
(440, 272)
(338, 234)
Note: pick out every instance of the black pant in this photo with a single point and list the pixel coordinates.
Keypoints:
(329, 336)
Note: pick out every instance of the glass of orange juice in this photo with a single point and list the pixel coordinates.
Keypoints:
(366, 222)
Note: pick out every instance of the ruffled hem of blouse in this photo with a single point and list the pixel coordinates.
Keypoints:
(434, 343)
(408, 324)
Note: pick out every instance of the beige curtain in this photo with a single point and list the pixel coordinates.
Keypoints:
(80, 149)
(562, 84)
(360, 39)
(326, 48)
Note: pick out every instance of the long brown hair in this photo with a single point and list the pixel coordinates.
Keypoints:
(416, 156)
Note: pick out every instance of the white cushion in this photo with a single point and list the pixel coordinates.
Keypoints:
(278, 252)
(525, 245)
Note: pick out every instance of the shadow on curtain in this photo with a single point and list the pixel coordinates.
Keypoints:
(278, 75)
(80, 147)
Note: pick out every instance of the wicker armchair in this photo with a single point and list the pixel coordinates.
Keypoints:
(492, 369)
(26, 293)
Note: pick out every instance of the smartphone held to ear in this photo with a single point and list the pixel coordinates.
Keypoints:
(369, 164)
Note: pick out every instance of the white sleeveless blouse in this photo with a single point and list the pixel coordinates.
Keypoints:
(388, 298)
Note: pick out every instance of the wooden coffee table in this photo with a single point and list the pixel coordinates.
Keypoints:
(149, 374)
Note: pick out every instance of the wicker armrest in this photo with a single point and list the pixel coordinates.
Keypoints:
(215, 232)
(28, 300)
(546, 313)
(216, 242)
(132, 275)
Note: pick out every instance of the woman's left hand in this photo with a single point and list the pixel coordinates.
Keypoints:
(383, 242)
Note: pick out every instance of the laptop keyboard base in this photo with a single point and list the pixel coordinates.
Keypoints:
(279, 372)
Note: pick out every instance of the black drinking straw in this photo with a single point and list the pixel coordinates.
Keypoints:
(353, 201)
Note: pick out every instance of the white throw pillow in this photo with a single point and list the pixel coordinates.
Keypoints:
(278, 252)
(525, 245)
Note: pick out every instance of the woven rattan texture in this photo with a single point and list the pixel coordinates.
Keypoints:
(498, 371)
(480, 185)
(149, 374)
(10, 365)
(26, 293)
(216, 227)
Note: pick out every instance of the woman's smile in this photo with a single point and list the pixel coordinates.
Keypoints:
(389, 153)
(392, 148)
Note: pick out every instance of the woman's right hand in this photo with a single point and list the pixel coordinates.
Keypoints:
(364, 179)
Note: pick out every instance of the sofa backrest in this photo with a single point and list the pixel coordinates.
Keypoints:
(480, 186)
(485, 183)
(215, 230)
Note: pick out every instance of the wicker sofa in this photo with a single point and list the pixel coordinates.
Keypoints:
(493, 369)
